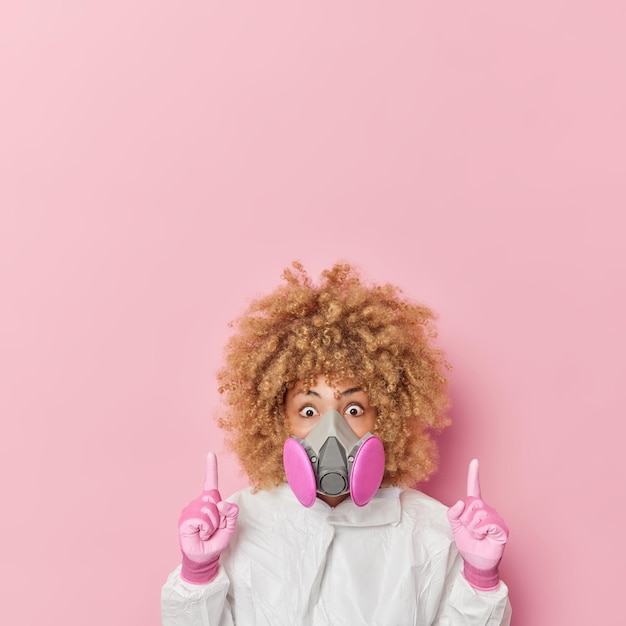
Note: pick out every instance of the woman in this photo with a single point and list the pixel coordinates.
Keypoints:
(332, 393)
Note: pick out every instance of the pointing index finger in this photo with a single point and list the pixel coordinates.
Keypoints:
(210, 481)
(473, 482)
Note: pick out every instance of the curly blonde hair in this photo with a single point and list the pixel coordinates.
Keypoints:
(343, 329)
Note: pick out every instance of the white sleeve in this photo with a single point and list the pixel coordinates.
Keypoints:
(466, 606)
(185, 604)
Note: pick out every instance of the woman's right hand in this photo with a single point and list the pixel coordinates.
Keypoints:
(205, 527)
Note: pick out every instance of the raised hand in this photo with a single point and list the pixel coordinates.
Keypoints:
(480, 534)
(205, 527)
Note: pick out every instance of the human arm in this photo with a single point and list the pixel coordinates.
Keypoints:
(187, 604)
(480, 535)
(195, 593)
(205, 528)
(463, 605)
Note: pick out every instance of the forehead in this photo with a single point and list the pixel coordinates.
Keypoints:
(320, 387)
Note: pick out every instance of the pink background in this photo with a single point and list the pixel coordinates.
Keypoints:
(162, 162)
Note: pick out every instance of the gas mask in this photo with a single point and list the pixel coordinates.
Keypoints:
(333, 461)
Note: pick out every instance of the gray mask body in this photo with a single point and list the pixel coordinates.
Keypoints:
(331, 447)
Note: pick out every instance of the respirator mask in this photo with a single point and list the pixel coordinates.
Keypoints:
(332, 460)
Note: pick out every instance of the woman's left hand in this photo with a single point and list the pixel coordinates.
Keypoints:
(480, 534)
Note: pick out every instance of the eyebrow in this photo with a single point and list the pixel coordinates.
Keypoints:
(346, 392)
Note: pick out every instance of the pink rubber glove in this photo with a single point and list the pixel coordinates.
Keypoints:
(205, 527)
(480, 535)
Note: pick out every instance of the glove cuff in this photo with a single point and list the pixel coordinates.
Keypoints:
(481, 579)
(199, 573)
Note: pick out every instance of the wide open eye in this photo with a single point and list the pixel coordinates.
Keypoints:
(354, 410)
(308, 411)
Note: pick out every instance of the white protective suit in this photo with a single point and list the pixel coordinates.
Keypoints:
(392, 562)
